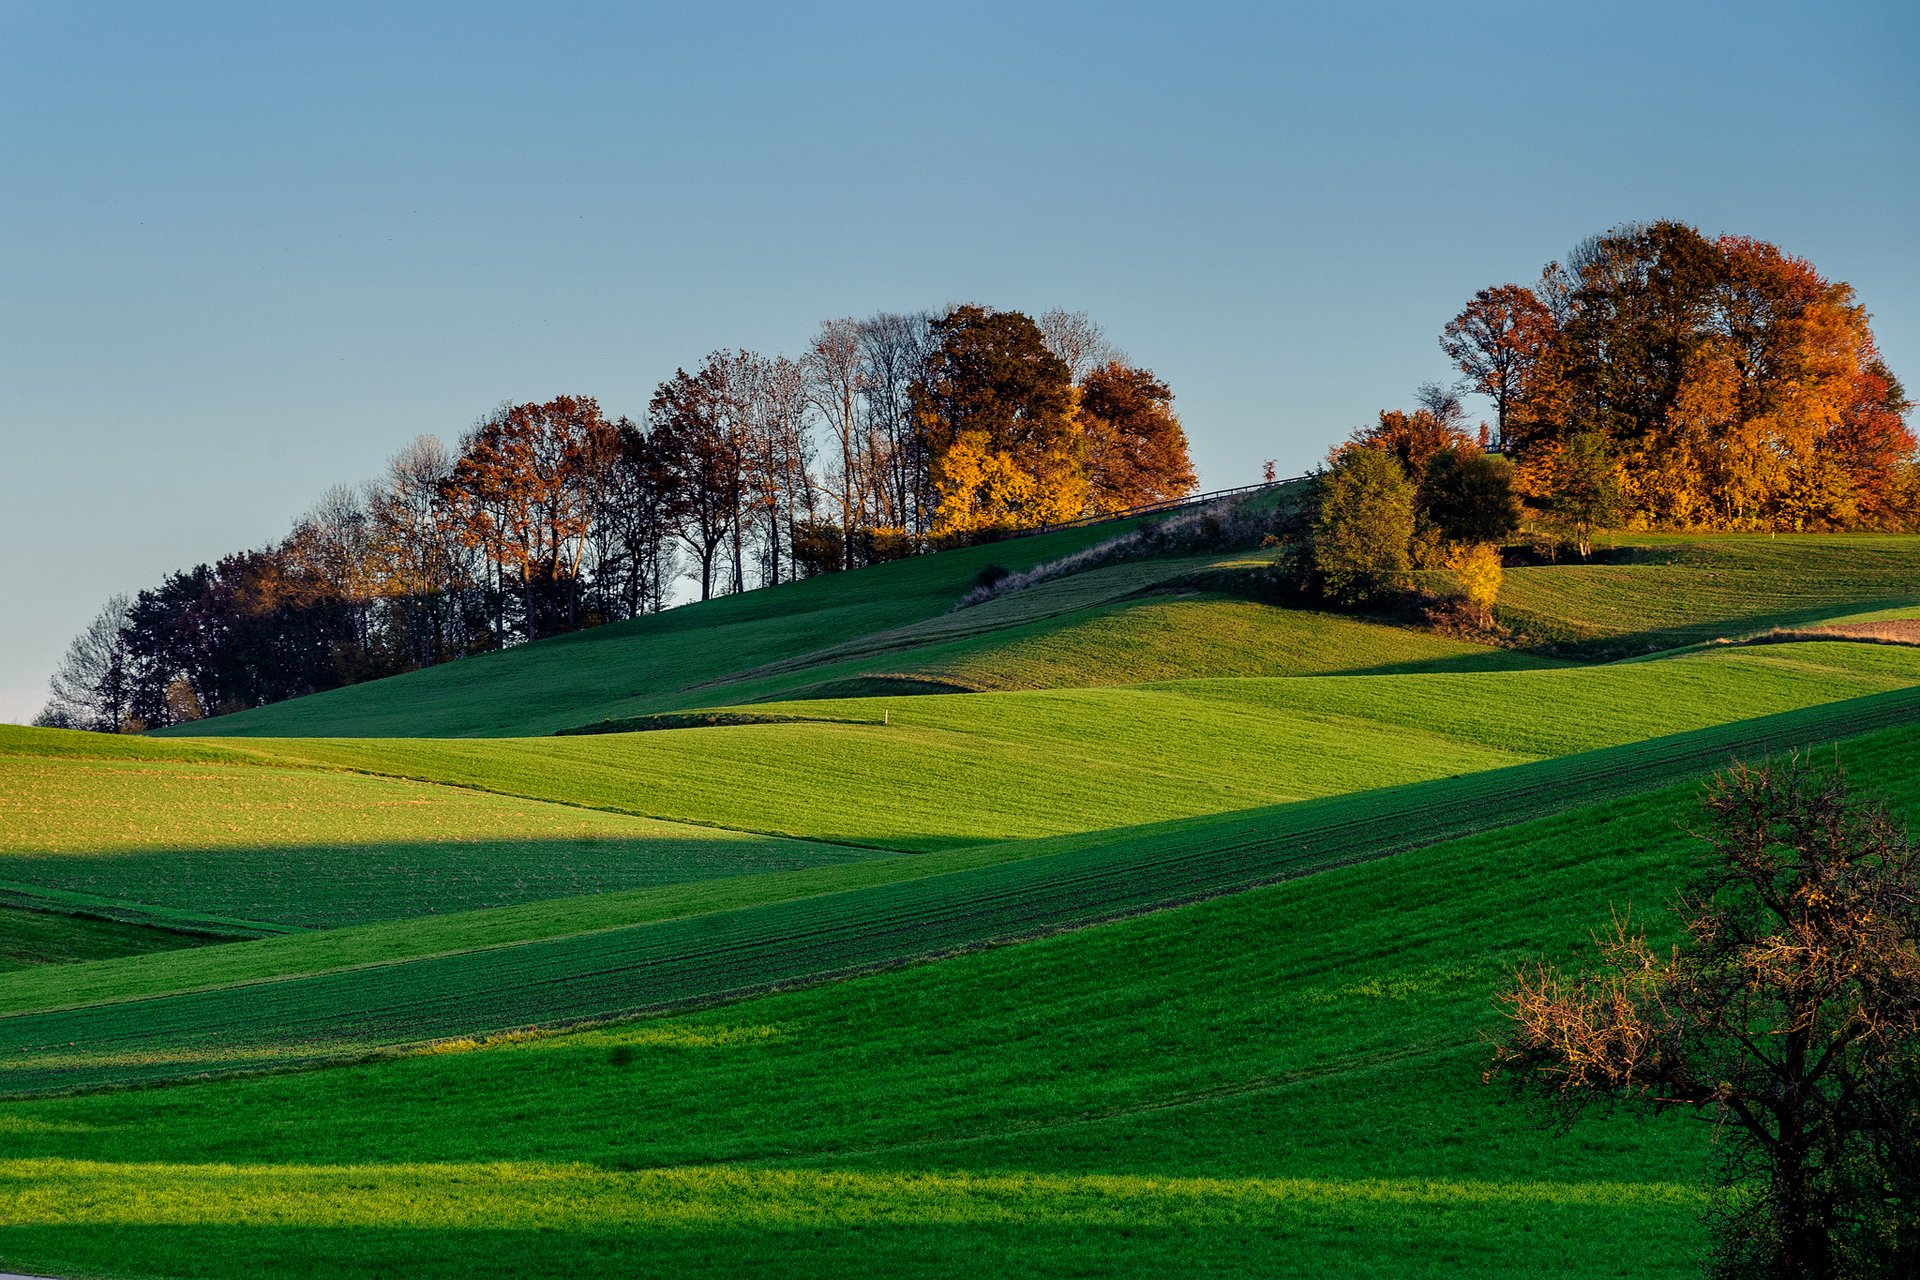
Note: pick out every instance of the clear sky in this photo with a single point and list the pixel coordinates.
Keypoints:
(247, 252)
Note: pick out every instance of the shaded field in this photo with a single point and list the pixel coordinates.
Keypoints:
(1031, 890)
(301, 846)
(35, 938)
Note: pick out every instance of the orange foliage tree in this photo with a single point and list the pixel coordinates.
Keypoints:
(1738, 387)
(1136, 450)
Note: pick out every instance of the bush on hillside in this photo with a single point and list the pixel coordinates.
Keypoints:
(1363, 527)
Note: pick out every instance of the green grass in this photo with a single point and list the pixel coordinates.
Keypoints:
(873, 629)
(32, 939)
(946, 771)
(1004, 893)
(1671, 590)
(1188, 637)
(1282, 1082)
(301, 846)
(1280, 1077)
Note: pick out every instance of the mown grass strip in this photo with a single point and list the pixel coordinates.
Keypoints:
(1043, 887)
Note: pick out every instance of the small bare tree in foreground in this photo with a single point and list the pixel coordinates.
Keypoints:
(1789, 1015)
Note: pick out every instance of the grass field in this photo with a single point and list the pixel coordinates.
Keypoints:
(300, 846)
(1279, 1082)
(945, 771)
(1167, 951)
(900, 911)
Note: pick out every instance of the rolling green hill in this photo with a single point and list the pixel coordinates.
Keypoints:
(944, 771)
(1165, 948)
(757, 937)
(251, 843)
(1280, 1081)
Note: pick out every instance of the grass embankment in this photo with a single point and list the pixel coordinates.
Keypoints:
(303, 846)
(1280, 1082)
(930, 908)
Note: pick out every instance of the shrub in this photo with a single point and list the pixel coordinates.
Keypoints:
(1364, 526)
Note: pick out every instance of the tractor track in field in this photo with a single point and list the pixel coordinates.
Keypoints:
(1066, 883)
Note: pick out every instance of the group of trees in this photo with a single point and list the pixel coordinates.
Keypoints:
(1412, 492)
(1727, 383)
(885, 436)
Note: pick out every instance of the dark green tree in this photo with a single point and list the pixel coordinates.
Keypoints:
(1468, 495)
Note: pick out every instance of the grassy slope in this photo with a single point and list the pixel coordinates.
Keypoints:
(947, 771)
(312, 846)
(655, 663)
(864, 631)
(303, 846)
(907, 909)
(1187, 636)
(1680, 589)
(1281, 1082)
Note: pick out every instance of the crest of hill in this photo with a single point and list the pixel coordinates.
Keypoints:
(894, 628)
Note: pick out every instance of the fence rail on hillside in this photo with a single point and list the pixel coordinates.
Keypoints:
(1153, 508)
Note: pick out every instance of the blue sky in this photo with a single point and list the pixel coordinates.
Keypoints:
(247, 252)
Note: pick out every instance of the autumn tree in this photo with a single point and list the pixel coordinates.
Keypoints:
(1788, 1014)
(1136, 449)
(1735, 385)
(1363, 525)
(1410, 439)
(1498, 341)
(996, 409)
(517, 495)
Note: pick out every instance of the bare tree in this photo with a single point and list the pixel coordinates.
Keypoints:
(895, 349)
(92, 687)
(780, 488)
(1080, 343)
(688, 424)
(1789, 1014)
(836, 382)
(422, 568)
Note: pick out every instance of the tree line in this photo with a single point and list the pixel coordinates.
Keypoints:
(886, 437)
